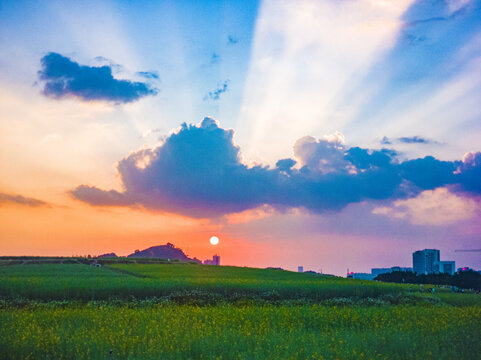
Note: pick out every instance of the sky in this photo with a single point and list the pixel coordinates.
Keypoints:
(327, 134)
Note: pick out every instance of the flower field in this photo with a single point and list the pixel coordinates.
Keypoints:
(248, 331)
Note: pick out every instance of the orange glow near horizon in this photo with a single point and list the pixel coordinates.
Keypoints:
(84, 230)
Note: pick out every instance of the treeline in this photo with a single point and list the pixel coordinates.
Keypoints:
(464, 279)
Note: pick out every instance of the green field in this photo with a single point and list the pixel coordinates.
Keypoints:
(184, 311)
(141, 281)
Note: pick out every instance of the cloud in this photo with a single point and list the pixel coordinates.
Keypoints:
(149, 74)
(63, 77)
(469, 170)
(116, 68)
(232, 39)
(451, 10)
(215, 95)
(215, 58)
(152, 131)
(408, 140)
(250, 215)
(386, 141)
(95, 196)
(414, 140)
(198, 172)
(326, 155)
(285, 165)
(21, 200)
(437, 207)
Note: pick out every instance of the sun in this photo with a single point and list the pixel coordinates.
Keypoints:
(214, 240)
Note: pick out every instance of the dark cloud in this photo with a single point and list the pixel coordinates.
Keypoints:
(215, 95)
(364, 159)
(21, 200)
(95, 196)
(149, 74)
(408, 140)
(197, 166)
(63, 77)
(429, 173)
(198, 172)
(435, 19)
(386, 141)
(232, 39)
(413, 39)
(102, 59)
(285, 165)
(414, 140)
(469, 170)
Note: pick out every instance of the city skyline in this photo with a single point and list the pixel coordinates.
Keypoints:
(323, 134)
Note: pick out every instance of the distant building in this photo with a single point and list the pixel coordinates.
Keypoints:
(215, 260)
(400, 268)
(361, 276)
(300, 269)
(378, 271)
(464, 269)
(426, 261)
(447, 267)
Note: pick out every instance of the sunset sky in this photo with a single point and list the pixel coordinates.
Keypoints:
(324, 133)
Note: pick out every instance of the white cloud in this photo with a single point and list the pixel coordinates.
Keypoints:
(432, 207)
(325, 155)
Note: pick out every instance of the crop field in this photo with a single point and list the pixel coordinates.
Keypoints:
(141, 281)
(140, 311)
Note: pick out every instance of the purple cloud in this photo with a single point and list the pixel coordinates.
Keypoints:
(21, 200)
(197, 172)
(64, 77)
(408, 140)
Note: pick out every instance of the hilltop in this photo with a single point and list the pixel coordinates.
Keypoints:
(167, 251)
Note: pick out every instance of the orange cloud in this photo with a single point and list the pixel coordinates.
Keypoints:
(432, 207)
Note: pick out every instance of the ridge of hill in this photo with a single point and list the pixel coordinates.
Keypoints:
(167, 251)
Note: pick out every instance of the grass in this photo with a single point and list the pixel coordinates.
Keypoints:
(249, 331)
(185, 311)
(126, 281)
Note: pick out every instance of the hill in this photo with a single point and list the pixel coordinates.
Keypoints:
(167, 251)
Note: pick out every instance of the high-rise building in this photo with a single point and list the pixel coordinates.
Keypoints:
(448, 267)
(300, 269)
(426, 261)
